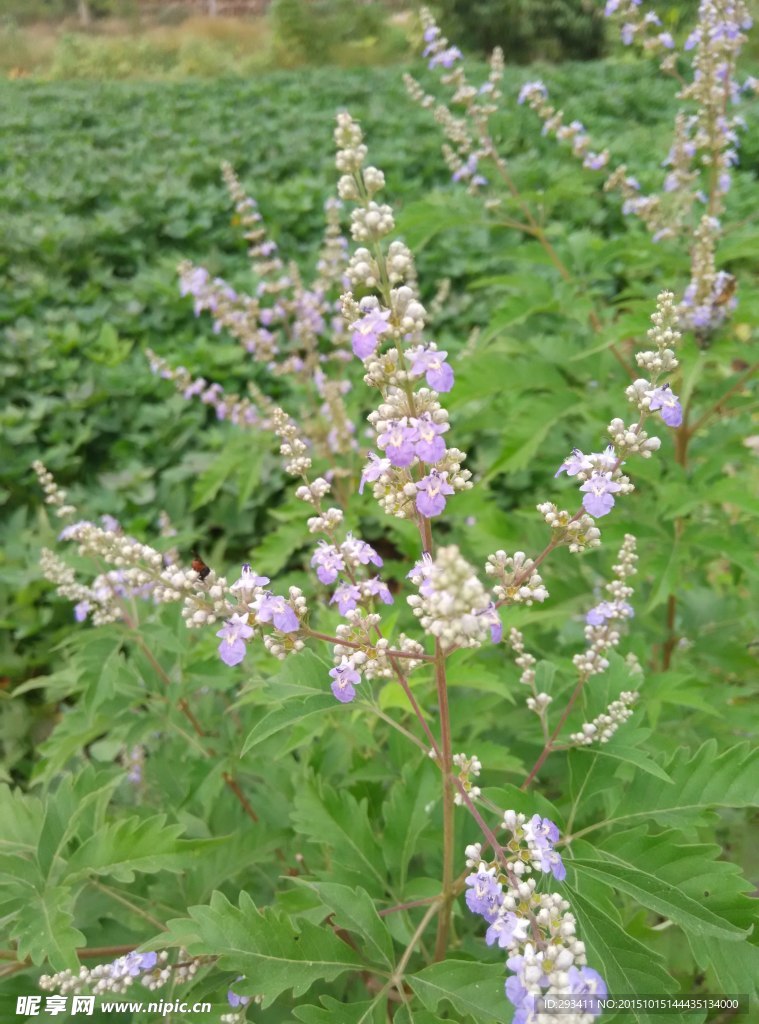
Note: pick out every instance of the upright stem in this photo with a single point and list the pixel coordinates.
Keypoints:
(446, 766)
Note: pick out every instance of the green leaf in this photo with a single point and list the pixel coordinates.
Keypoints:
(334, 1012)
(629, 755)
(642, 883)
(405, 816)
(471, 988)
(121, 848)
(354, 910)
(265, 945)
(295, 710)
(625, 964)
(706, 780)
(339, 821)
(43, 928)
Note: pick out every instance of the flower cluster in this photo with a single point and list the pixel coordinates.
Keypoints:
(468, 768)
(599, 473)
(152, 970)
(603, 726)
(468, 139)
(602, 621)
(416, 472)
(536, 930)
(452, 605)
(535, 95)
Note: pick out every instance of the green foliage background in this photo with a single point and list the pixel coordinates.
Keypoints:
(107, 187)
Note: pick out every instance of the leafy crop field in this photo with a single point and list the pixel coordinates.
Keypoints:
(106, 187)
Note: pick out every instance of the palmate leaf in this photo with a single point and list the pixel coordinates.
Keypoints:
(264, 945)
(472, 989)
(295, 710)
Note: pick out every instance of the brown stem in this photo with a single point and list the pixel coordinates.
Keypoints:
(446, 766)
(559, 726)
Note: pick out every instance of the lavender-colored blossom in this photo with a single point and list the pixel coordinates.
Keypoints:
(627, 33)
(347, 596)
(328, 561)
(668, 404)
(366, 332)
(529, 88)
(248, 580)
(345, 679)
(445, 58)
(485, 893)
(599, 494)
(236, 1001)
(493, 619)
(277, 611)
(359, 552)
(505, 928)
(377, 588)
(542, 832)
(576, 463)
(516, 993)
(430, 446)
(398, 442)
(596, 161)
(81, 610)
(373, 470)
(233, 635)
(551, 861)
(432, 363)
(585, 982)
(665, 38)
(431, 491)
(135, 963)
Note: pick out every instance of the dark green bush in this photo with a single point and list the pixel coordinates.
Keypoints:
(527, 29)
(313, 31)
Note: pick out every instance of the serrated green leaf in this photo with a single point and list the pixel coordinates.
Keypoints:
(473, 989)
(354, 910)
(405, 816)
(334, 1012)
(279, 953)
(295, 710)
(43, 928)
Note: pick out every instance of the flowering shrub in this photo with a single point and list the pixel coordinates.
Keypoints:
(316, 842)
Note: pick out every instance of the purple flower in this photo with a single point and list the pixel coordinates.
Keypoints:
(233, 635)
(516, 993)
(366, 332)
(80, 610)
(136, 962)
(551, 861)
(599, 615)
(493, 620)
(596, 161)
(665, 38)
(576, 463)
(329, 562)
(503, 930)
(277, 611)
(432, 363)
(347, 596)
(373, 470)
(485, 894)
(248, 580)
(431, 491)
(668, 404)
(345, 678)
(542, 832)
(628, 33)
(446, 58)
(377, 588)
(232, 997)
(398, 442)
(599, 492)
(584, 981)
(530, 88)
(430, 446)
(358, 552)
